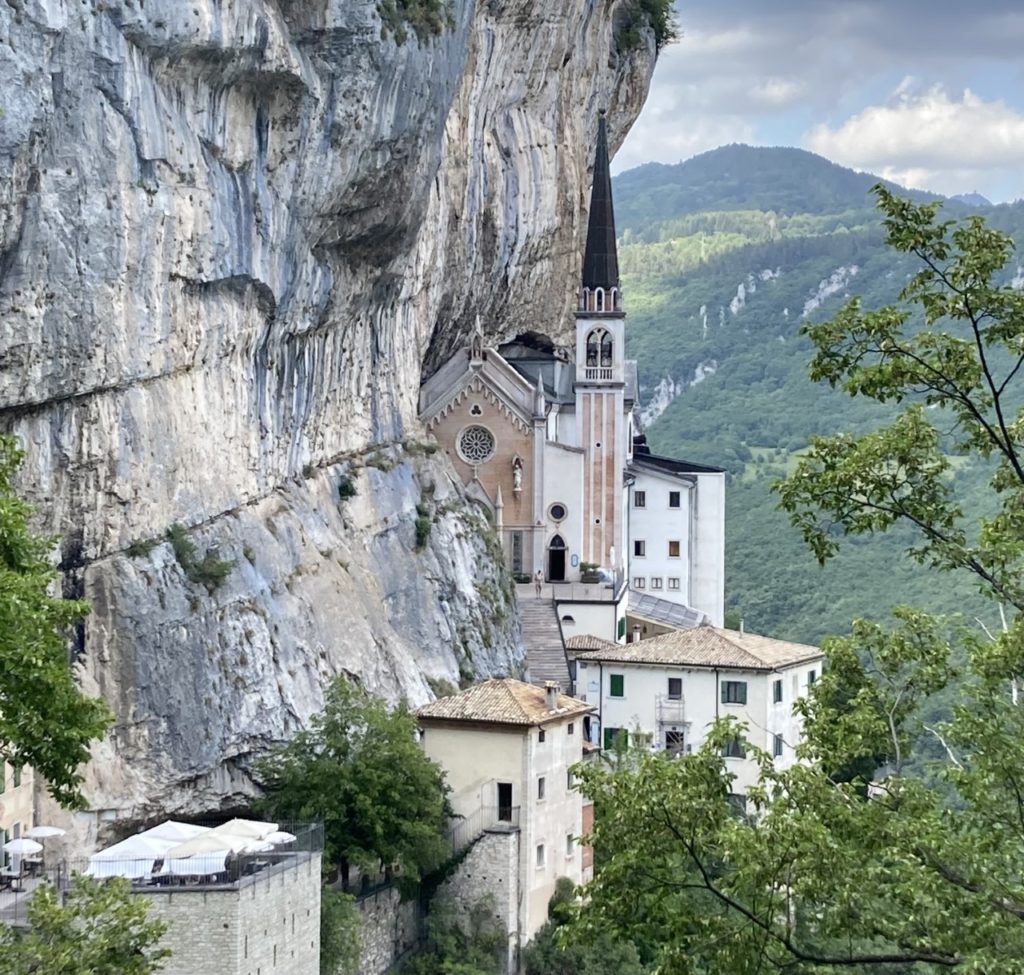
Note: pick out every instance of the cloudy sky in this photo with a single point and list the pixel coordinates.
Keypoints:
(929, 93)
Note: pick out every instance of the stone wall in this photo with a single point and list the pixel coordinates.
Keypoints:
(390, 929)
(491, 869)
(269, 923)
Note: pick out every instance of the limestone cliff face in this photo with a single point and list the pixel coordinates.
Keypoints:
(233, 236)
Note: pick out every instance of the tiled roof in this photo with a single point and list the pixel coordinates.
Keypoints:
(502, 701)
(587, 642)
(709, 646)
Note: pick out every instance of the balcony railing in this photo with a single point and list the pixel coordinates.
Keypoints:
(599, 373)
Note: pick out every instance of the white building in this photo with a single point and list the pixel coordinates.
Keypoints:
(543, 438)
(672, 687)
(677, 543)
(506, 748)
(17, 804)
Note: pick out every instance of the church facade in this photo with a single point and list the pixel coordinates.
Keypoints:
(546, 439)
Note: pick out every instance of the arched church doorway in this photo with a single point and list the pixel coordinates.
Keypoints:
(556, 559)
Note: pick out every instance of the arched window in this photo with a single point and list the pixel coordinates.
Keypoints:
(614, 298)
(599, 299)
(599, 349)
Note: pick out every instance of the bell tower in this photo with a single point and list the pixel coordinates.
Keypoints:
(600, 375)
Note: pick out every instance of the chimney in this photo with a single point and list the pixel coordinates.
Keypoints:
(636, 633)
(551, 692)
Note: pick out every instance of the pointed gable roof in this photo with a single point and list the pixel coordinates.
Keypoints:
(502, 701)
(601, 258)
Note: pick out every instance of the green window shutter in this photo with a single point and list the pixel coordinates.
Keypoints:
(617, 685)
(734, 692)
(622, 627)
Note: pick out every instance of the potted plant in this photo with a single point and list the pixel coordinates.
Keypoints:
(589, 573)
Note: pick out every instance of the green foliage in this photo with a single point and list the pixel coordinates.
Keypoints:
(45, 720)
(553, 952)
(424, 524)
(210, 570)
(340, 925)
(380, 461)
(101, 928)
(359, 770)
(346, 488)
(427, 18)
(778, 222)
(141, 548)
(640, 15)
(832, 871)
(461, 940)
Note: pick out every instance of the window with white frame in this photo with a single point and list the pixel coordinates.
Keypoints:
(639, 582)
(570, 845)
(673, 499)
(540, 787)
(655, 582)
(673, 549)
(777, 746)
(639, 499)
(673, 582)
(777, 691)
(639, 548)
(540, 854)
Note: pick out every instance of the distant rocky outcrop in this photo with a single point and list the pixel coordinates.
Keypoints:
(233, 236)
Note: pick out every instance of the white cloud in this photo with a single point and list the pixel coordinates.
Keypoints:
(930, 129)
(778, 92)
(928, 138)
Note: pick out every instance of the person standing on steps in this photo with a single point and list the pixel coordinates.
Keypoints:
(538, 581)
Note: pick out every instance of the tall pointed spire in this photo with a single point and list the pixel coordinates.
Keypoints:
(601, 259)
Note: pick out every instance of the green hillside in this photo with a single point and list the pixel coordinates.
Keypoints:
(724, 258)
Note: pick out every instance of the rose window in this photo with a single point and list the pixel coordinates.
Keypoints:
(476, 444)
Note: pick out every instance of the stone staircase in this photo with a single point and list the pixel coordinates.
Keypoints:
(545, 652)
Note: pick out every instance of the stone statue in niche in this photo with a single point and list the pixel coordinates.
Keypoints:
(517, 475)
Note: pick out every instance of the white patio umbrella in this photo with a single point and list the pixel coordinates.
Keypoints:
(280, 837)
(23, 847)
(170, 829)
(246, 827)
(133, 857)
(42, 832)
(211, 842)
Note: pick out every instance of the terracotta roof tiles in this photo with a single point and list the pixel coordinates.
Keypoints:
(502, 701)
(707, 646)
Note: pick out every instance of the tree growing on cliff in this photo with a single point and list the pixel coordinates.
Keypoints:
(360, 770)
(101, 928)
(915, 873)
(45, 720)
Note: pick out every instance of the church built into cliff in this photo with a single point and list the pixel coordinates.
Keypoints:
(547, 440)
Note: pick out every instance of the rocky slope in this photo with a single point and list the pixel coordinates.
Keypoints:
(233, 235)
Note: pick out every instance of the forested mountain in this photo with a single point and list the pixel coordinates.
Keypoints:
(725, 257)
